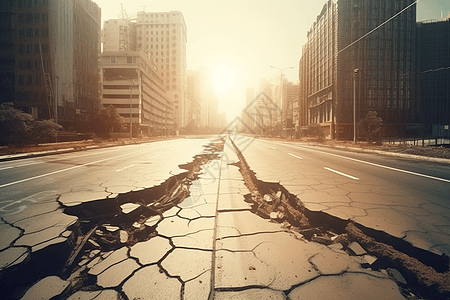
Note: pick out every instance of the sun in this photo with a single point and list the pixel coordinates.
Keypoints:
(224, 78)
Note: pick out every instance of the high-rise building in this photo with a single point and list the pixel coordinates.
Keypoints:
(50, 49)
(433, 40)
(362, 52)
(86, 26)
(132, 85)
(164, 36)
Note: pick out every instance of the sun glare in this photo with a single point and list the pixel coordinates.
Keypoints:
(224, 78)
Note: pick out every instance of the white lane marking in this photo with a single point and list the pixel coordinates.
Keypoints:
(18, 166)
(273, 148)
(132, 165)
(386, 167)
(60, 171)
(295, 156)
(155, 156)
(340, 173)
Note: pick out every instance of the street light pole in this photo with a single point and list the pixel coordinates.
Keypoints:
(281, 90)
(355, 71)
(131, 108)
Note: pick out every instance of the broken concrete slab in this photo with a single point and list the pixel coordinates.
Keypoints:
(150, 251)
(250, 294)
(187, 263)
(356, 249)
(115, 274)
(8, 234)
(46, 288)
(347, 286)
(241, 269)
(396, 275)
(116, 257)
(198, 288)
(151, 283)
(228, 202)
(198, 240)
(176, 226)
(97, 295)
(13, 256)
(245, 223)
(48, 236)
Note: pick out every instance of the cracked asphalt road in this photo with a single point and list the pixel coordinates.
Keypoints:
(405, 198)
(208, 246)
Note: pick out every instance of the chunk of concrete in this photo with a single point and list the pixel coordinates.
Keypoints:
(114, 275)
(46, 288)
(348, 286)
(150, 251)
(187, 263)
(397, 276)
(150, 283)
(97, 295)
(251, 294)
(356, 249)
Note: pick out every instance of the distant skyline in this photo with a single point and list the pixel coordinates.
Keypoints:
(248, 36)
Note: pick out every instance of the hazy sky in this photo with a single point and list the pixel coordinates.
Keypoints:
(247, 36)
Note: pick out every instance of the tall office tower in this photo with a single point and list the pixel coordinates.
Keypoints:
(47, 44)
(433, 40)
(362, 52)
(86, 26)
(7, 54)
(164, 36)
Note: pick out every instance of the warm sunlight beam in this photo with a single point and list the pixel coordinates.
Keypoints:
(224, 78)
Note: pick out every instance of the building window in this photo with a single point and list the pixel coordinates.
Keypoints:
(129, 59)
(113, 60)
(21, 79)
(38, 79)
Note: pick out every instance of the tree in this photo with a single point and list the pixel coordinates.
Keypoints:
(20, 129)
(106, 121)
(370, 127)
(314, 129)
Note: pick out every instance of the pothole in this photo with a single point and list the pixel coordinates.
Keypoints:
(419, 273)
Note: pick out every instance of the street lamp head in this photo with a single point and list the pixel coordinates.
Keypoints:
(355, 71)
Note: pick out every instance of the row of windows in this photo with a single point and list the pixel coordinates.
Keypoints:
(156, 26)
(32, 32)
(32, 17)
(31, 3)
(32, 48)
(33, 64)
(28, 79)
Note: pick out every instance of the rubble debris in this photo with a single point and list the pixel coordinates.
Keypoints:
(417, 270)
(356, 249)
(397, 276)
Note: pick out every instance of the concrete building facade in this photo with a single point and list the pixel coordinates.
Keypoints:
(164, 36)
(131, 83)
(349, 36)
(119, 35)
(433, 45)
(44, 42)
